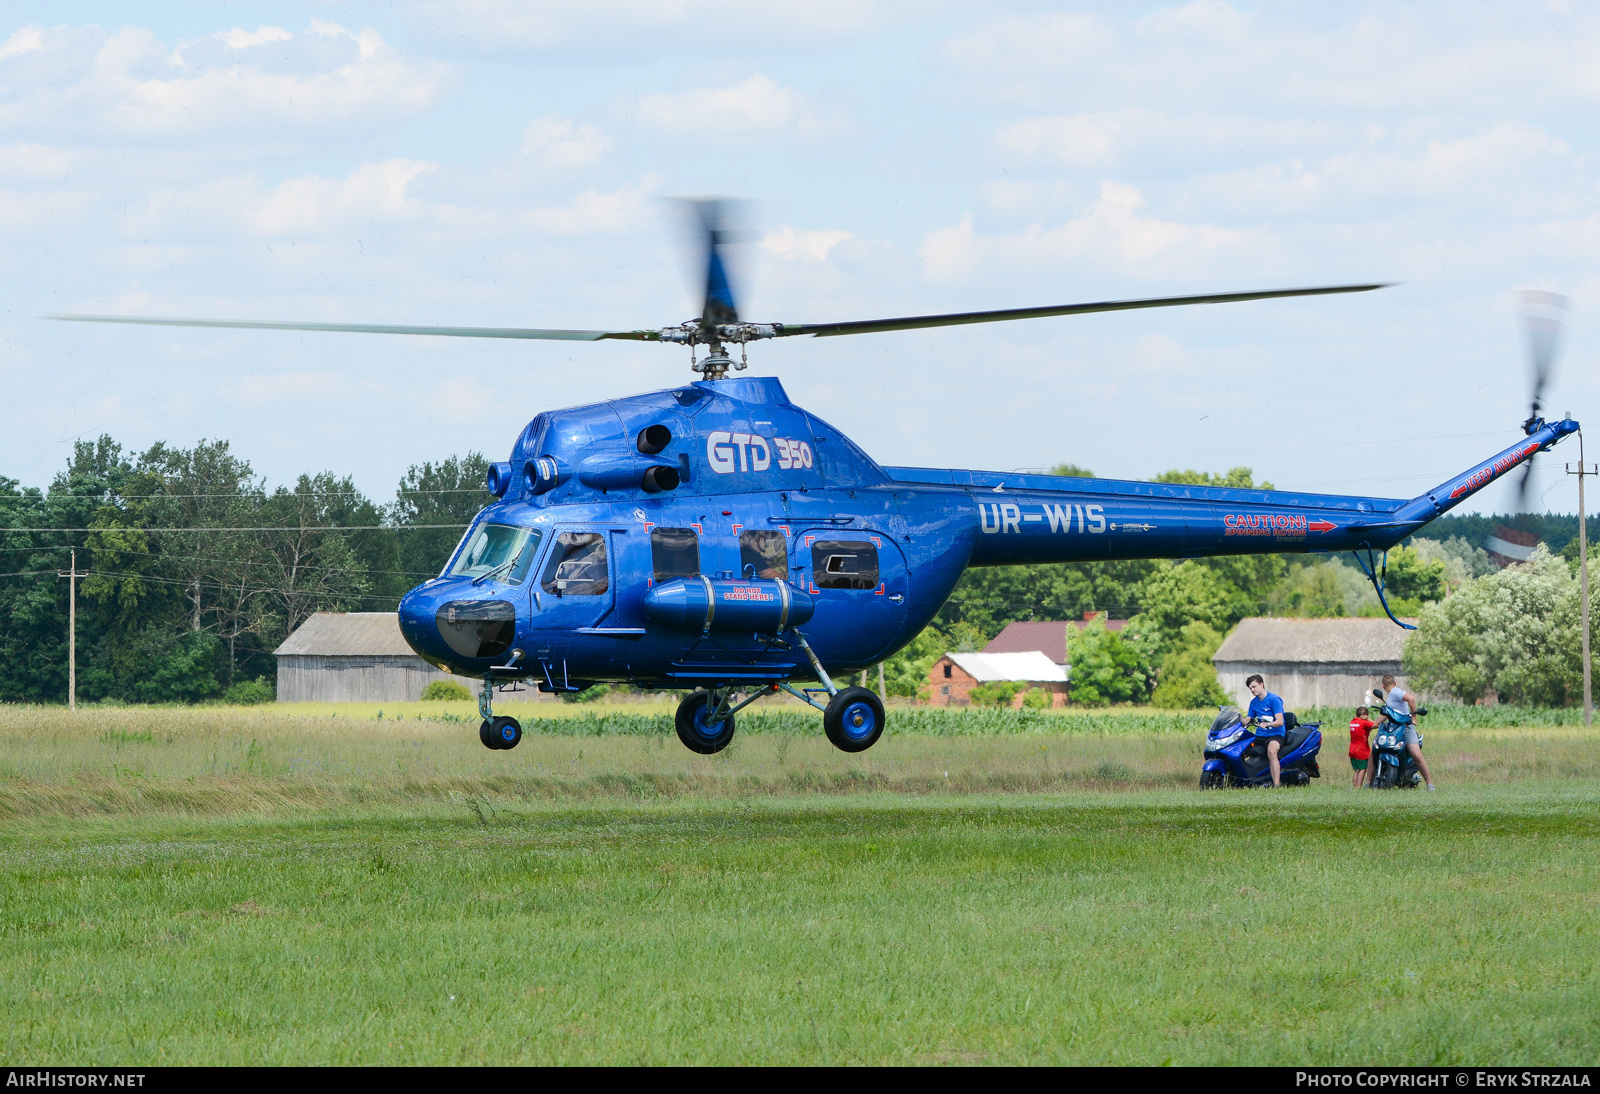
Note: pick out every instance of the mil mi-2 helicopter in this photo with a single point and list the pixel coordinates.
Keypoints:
(719, 538)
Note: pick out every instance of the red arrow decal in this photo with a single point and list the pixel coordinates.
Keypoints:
(1321, 525)
(1458, 491)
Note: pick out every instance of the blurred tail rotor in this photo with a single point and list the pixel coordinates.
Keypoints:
(1544, 317)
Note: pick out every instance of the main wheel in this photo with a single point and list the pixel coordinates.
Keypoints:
(507, 732)
(695, 732)
(1213, 780)
(486, 734)
(853, 720)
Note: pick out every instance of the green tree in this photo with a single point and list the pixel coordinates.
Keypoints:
(450, 492)
(1411, 577)
(1239, 478)
(1105, 668)
(998, 694)
(1187, 679)
(1513, 632)
(1072, 471)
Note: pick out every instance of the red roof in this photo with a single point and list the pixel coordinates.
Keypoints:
(1048, 636)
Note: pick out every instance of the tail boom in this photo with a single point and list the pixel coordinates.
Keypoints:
(1038, 518)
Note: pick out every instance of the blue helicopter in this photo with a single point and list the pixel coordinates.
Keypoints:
(715, 537)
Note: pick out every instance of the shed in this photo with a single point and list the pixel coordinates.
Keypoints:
(954, 675)
(342, 657)
(1311, 662)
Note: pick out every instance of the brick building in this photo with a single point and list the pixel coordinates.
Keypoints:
(954, 675)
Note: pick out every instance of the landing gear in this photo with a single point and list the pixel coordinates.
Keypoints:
(704, 722)
(853, 720)
(496, 733)
(500, 733)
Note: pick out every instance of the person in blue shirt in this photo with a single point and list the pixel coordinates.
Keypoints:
(1266, 711)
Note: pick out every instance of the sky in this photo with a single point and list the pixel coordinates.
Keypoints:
(500, 163)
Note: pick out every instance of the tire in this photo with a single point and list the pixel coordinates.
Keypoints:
(486, 735)
(1382, 776)
(506, 732)
(693, 731)
(1213, 780)
(853, 720)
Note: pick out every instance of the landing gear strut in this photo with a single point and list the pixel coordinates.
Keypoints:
(496, 733)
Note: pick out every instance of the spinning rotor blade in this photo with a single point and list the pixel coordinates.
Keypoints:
(953, 319)
(1544, 320)
(375, 328)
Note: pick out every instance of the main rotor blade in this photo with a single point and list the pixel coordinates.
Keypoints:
(374, 328)
(953, 319)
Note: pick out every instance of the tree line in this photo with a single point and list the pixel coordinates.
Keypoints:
(196, 570)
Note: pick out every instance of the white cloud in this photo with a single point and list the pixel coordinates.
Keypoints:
(1113, 232)
(635, 26)
(82, 83)
(793, 243)
(25, 40)
(755, 106)
(374, 191)
(238, 38)
(557, 141)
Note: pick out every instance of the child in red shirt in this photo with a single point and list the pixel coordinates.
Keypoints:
(1360, 751)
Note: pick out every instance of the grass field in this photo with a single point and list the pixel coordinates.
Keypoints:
(265, 886)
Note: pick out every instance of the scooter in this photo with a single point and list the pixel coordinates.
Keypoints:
(1392, 762)
(1236, 756)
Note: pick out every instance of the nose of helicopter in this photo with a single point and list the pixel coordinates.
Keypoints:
(446, 624)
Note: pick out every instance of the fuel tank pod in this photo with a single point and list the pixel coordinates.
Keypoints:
(717, 604)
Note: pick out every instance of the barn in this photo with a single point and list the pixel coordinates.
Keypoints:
(1311, 662)
(343, 657)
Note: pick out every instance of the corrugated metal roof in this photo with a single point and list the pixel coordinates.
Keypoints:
(1312, 641)
(348, 634)
(1032, 666)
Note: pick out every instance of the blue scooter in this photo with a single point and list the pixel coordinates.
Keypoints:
(1392, 762)
(1236, 756)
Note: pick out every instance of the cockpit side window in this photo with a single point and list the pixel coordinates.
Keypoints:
(674, 552)
(577, 565)
(844, 564)
(500, 551)
(767, 552)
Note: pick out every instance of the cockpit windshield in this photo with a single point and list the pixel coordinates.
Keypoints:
(502, 550)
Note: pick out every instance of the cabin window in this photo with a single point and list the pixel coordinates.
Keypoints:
(500, 550)
(674, 552)
(577, 565)
(767, 552)
(947, 676)
(844, 564)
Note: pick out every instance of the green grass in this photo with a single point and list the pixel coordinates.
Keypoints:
(234, 887)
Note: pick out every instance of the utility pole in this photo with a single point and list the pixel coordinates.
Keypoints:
(72, 577)
(1583, 471)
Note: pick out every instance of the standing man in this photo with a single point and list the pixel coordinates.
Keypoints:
(1403, 702)
(1266, 711)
